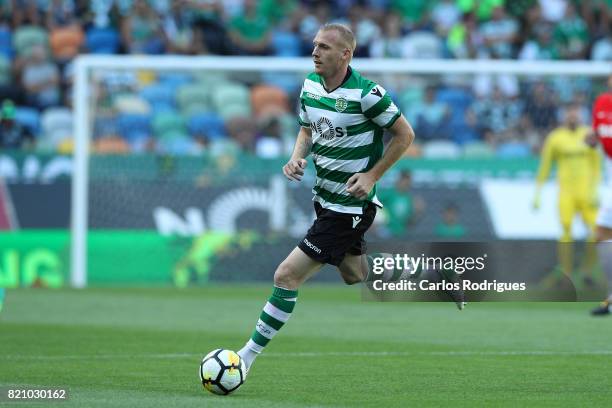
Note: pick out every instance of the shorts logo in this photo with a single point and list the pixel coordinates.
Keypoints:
(356, 220)
(325, 128)
(311, 246)
(341, 104)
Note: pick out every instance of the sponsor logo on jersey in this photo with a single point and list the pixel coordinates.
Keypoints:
(376, 92)
(312, 246)
(341, 104)
(356, 220)
(313, 96)
(604, 130)
(325, 128)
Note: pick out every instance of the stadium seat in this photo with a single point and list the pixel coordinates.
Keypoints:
(441, 149)
(6, 42)
(287, 81)
(131, 126)
(234, 111)
(230, 93)
(268, 99)
(129, 103)
(175, 79)
(28, 117)
(26, 37)
(102, 41)
(209, 124)
(195, 109)
(194, 94)
(57, 122)
(477, 150)
(158, 94)
(176, 143)
(167, 122)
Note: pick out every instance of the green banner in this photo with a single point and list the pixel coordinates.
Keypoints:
(36, 258)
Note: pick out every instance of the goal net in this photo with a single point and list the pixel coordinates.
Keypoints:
(177, 159)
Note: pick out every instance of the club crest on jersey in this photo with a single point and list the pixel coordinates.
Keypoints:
(325, 128)
(341, 104)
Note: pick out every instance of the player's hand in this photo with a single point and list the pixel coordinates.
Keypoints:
(294, 169)
(360, 185)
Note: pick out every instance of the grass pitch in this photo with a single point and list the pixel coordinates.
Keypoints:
(142, 348)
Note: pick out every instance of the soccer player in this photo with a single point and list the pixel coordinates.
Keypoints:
(342, 118)
(602, 127)
(578, 174)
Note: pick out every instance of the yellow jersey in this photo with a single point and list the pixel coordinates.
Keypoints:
(578, 164)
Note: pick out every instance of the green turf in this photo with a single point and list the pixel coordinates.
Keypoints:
(142, 347)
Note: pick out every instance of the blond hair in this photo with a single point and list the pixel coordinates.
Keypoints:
(346, 34)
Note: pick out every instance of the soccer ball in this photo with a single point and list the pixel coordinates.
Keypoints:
(222, 371)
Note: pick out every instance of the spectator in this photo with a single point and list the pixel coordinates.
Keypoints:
(482, 9)
(269, 144)
(311, 24)
(415, 12)
(250, 32)
(208, 20)
(59, 13)
(541, 47)
(450, 227)
(141, 31)
(602, 48)
(553, 10)
(277, 10)
(464, 39)
(389, 45)
(497, 112)
(422, 44)
(41, 79)
(540, 108)
(571, 36)
(402, 207)
(180, 36)
(499, 33)
(430, 117)
(445, 14)
(13, 135)
(366, 30)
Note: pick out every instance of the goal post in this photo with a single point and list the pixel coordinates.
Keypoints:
(84, 103)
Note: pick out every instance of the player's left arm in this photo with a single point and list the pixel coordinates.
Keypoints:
(360, 184)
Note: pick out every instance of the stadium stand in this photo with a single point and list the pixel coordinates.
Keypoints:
(39, 39)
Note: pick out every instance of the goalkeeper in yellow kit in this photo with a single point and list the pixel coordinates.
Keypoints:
(578, 174)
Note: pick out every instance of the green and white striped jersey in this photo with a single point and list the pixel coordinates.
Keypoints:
(347, 128)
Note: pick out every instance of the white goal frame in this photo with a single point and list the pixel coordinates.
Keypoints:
(83, 104)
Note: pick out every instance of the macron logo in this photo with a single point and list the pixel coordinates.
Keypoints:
(311, 246)
(356, 220)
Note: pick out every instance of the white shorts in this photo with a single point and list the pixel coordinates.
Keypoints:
(604, 216)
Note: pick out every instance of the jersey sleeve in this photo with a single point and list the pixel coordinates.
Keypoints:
(376, 105)
(303, 119)
(546, 159)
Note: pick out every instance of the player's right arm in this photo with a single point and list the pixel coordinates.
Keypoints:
(294, 169)
(546, 161)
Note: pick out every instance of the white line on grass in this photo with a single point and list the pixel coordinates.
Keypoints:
(321, 354)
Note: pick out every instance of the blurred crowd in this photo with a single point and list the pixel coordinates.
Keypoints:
(183, 113)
